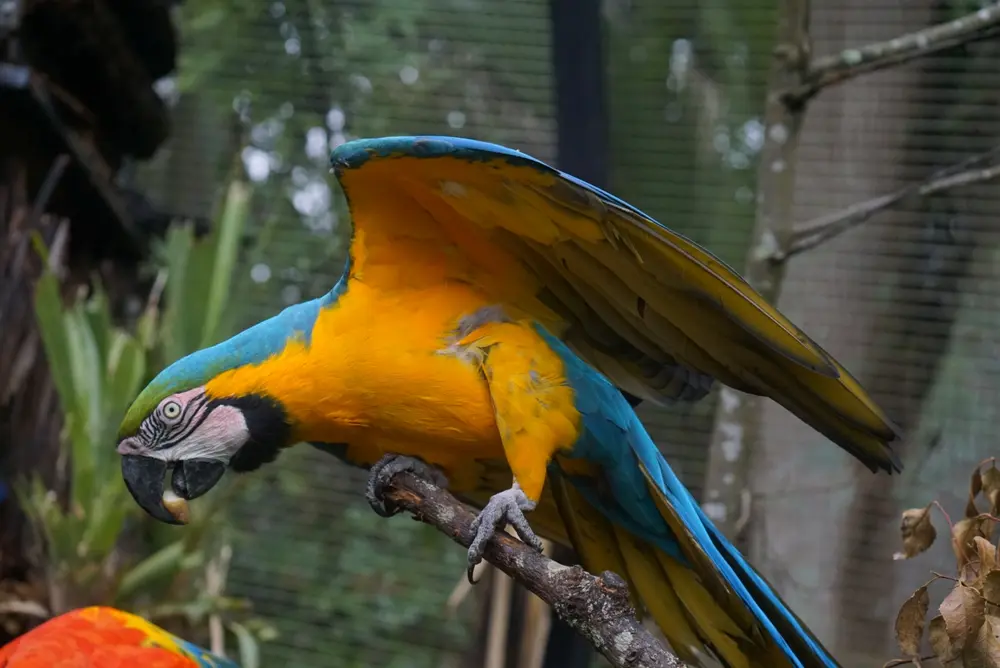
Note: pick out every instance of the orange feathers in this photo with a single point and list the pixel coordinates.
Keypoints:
(101, 637)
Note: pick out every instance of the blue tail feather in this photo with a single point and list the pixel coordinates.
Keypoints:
(614, 438)
(728, 560)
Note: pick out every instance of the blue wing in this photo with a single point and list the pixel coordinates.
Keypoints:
(714, 590)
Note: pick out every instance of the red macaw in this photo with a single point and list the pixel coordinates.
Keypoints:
(103, 637)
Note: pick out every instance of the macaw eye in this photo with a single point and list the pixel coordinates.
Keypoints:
(171, 410)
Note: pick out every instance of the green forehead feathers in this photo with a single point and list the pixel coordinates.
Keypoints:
(251, 346)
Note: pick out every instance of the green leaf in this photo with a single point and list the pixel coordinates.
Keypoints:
(59, 531)
(232, 224)
(49, 315)
(160, 564)
(126, 371)
(249, 647)
(149, 324)
(105, 518)
(210, 19)
(85, 420)
(98, 313)
(178, 336)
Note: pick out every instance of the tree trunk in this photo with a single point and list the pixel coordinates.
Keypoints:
(807, 494)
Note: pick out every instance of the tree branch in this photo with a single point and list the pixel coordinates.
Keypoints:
(828, 71)
(596, 607)
(809, 235)
(737, 428)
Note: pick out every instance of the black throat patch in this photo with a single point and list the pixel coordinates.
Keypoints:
(269, 429)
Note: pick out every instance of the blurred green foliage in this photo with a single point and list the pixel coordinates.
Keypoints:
(99, 546)
(343, 586)
(303, 76)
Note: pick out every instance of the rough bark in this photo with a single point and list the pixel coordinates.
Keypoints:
(796, 79)
(726, 495)
(849, 63)
(851, 150)
(596, 607)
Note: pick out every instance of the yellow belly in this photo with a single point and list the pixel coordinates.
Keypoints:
(376, 376)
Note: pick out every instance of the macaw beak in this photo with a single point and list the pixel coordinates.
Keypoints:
(145, 478)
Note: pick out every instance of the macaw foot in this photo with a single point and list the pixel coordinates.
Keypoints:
(382, 471)
(504, 508)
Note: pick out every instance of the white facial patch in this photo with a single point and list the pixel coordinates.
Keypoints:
(218, 437)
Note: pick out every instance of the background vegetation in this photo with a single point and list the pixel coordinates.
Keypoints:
(265, 90)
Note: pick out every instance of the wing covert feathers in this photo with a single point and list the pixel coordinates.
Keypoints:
(656, 313)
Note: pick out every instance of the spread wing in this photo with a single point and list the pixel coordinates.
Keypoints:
(660, 316)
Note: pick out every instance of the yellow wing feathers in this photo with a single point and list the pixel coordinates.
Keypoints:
(657, 314)
(533, 404)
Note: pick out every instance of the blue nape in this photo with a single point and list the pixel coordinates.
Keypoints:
(251, 346)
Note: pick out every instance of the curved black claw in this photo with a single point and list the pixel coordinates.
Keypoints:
(504, 508)
(382, 471)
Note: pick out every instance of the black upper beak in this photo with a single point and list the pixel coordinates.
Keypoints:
(145, 478)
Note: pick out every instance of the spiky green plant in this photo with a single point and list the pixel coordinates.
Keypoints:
(99, 546)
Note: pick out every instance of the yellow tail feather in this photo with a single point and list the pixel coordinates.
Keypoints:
(694, 622)
(698, 613)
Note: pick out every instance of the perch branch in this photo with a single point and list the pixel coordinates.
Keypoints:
(830, 70)
(809, 235)
(596, 607)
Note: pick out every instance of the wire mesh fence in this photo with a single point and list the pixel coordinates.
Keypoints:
(909, 301)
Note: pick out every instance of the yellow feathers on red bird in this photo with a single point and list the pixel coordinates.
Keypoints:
(102, 637)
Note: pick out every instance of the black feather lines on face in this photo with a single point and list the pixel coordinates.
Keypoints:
(162, 434)
(269, 430)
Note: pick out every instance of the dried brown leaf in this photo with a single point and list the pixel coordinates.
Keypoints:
(917, 531)
(975, 487)
(963, 536)
(963, 612)
(940, 642)
(910, 622)
(991, 487)
(991, 593)
(987, 557)
(984, 649)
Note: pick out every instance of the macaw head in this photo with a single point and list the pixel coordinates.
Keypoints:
(211, 412)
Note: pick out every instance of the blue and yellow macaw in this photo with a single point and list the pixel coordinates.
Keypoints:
(494, 322)
(103, 637)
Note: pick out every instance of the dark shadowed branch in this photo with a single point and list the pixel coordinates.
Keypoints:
(830, 70)
(980, 168)
(596, 607)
